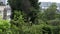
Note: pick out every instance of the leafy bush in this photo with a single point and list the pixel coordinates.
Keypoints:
(4, 26)
(55, 22)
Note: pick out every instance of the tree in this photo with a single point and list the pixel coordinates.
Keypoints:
(17, 22)
(50, 12)
(23, 5)
(29, 7)
(35, 4)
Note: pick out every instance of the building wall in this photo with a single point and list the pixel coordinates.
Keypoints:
(1, 11)
(5, 12)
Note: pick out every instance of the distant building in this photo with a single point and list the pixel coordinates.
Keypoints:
(45, 5)
(5, 10)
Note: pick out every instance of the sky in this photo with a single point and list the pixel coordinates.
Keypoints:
(57, 1)
(4, 1)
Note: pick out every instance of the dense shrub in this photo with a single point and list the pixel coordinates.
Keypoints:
(35, 22)
(55, 22)
(4, 26)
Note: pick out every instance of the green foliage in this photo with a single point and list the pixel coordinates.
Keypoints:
(22, 27)
(4, 26)
(25, 5)
(36, 22)
(17, 23)
(16, 5)
(49, 13)
(35, 4)
(18, 18)
(55, 22)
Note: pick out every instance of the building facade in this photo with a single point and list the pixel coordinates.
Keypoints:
(5, 10)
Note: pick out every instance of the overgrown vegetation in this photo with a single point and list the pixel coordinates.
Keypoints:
(27, 18)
